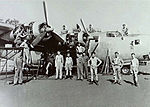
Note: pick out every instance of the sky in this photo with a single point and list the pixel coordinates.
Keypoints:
(106, 15)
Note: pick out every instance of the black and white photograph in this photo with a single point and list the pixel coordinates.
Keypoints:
(74, 53)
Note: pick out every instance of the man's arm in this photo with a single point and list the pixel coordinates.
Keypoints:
(62, 59)
(122, 62)
(56, 61)
(89, 62)
(137, 62)
(71, 62)
(99, 62)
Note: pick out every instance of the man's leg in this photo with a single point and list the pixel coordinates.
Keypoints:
(81, 72)
(57, 72)
(20, 76)
(67, 70)
(119, 75)
(86, 70)
(47, 68)
(135, 78)
(96, 75)
(60, 73)
(92, 74)
(16, 76)
(78, 72)
(115, 74)
(70, 72)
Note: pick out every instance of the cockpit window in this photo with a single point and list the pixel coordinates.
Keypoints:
(137, 42)
(113, 34)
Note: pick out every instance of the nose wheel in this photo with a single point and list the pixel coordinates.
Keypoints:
(125, 71)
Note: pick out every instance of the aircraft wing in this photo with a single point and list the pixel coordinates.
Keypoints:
(4, 35)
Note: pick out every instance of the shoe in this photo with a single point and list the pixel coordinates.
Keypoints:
(14, 84)
(71, 77)
(81, 79)
(56, 78)
(66, 77)
(115, 82)
(90, 82)
(119, 83)
(20, 83)
(96, 82)
(77, 79)
(136, 84)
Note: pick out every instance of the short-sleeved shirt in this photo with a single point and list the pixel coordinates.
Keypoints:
(69, 60)
(94, 61)
(117, 61)
(135, 63)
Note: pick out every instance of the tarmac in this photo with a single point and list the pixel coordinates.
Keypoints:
(48, 92)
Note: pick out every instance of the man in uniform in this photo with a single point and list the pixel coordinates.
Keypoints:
(94, 62)
(59, 65)
(134, 68)
(90, 29)
(124, 30)
(18, 77)
(117, 64)
(68, 66)
(79, 67)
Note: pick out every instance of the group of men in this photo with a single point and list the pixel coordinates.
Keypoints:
(84, 62)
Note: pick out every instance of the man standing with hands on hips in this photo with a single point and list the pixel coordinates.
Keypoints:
(117, 64)
(94, 62)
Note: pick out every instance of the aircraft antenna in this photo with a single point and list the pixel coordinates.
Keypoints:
(83, 26)
(45, 13)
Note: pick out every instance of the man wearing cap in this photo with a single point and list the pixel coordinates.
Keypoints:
(117, 64)
(134, 68)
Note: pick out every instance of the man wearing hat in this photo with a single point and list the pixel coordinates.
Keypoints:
(64, 30)
(124, 30)
(90, 29)
(117, 64)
